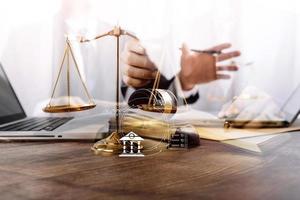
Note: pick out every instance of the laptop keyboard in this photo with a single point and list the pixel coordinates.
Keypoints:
(37, 124)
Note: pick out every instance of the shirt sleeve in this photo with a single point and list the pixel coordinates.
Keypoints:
(190, 96)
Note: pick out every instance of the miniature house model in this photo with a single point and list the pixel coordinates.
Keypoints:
(128, 150)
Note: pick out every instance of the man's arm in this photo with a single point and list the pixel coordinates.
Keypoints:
(200, 68)
(140, 72)
(196, 68)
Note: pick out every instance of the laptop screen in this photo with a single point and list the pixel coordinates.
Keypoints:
(10, 107)
(291, 109)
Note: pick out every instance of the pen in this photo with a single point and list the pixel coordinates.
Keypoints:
(212, 52)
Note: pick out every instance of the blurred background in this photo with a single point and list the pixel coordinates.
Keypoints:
(265, 31)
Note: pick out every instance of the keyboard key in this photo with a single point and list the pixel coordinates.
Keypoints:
(37, 124)
(55, 125)
(43, 123)
(29, 125)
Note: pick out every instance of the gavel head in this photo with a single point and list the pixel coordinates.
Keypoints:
(158, 100)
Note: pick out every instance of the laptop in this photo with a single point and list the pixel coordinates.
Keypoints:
(15, 125)
(289, 113)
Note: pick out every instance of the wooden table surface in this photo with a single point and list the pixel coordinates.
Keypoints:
(212, 171)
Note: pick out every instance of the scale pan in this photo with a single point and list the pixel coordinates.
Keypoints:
(164, 101)
(68, 108)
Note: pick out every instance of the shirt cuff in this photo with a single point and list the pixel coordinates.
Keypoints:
(185, 93)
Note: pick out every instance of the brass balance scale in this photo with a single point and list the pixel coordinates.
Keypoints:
(152, 100)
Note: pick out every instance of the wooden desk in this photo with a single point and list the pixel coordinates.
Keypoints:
(212, 171)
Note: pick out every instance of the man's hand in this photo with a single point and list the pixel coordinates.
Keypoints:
(139, 70)
(199, 68)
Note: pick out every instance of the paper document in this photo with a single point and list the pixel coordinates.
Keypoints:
(221, 134)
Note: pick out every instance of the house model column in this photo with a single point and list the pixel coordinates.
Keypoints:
(131, 137)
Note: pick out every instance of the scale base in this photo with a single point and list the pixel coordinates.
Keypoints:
(108, 146)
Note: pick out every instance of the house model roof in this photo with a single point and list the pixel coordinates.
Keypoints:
(131, 136)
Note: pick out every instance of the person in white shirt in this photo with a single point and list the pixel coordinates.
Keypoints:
(196, 68)
(39, 55)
